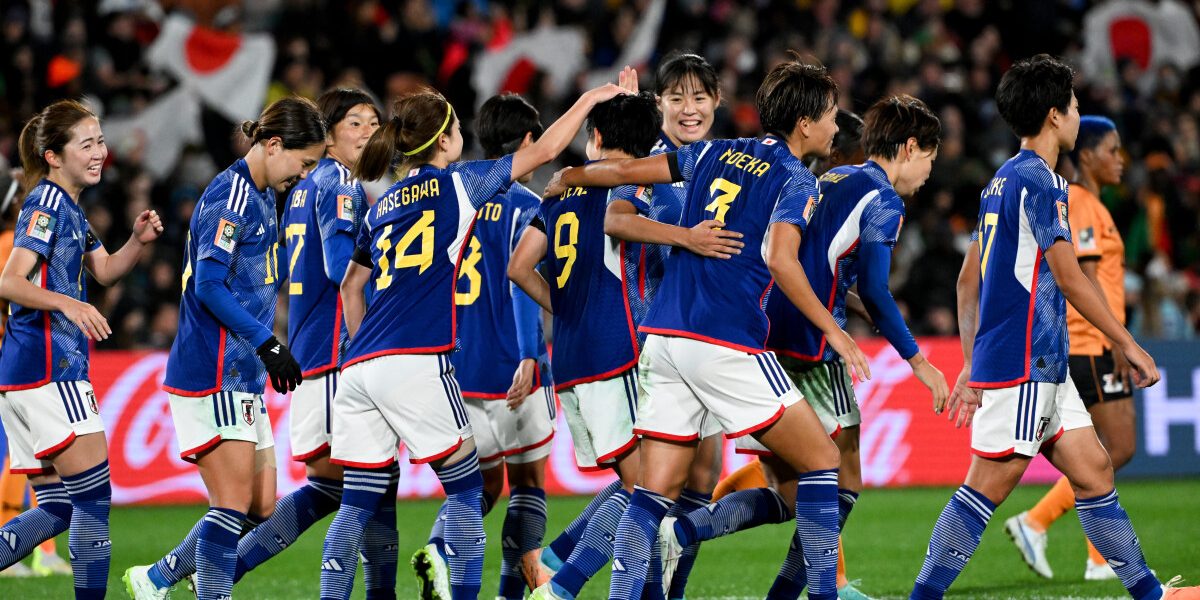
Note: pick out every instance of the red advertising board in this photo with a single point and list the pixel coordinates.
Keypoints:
(903, 441)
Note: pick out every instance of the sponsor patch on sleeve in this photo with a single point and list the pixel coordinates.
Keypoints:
(345, 207)
(808, 208)
(1087, 239)
(41, 226)
(226, 235)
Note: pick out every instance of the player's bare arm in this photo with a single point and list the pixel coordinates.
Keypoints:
(782, 250)
(1121, 367)
(522, 266)
(15, 286)
(354, 298)
(1087, 299)
(611, 173)
(107, 268)
(708, 238)
(964, 400)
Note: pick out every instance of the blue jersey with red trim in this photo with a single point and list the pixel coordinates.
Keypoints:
(233, 223)
(320, 223)
(487, 328)
(747, 184)
(42, 346)
(1022, 314)
(594, 332)
(665, 205)
(416, 234)
(857, 206)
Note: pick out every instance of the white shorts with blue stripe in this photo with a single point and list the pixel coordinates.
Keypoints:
(600, 415)
(310, 420)
(398, 398)
(1023, 418)
(693, 389)
(202, 422)
(41, 421)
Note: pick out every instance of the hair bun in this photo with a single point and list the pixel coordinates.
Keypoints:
(249, 128)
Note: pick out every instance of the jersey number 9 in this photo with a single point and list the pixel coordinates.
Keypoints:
(423, 258)
(564, 245)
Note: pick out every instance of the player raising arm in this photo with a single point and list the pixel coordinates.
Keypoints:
(1012, 318)
(47, 404)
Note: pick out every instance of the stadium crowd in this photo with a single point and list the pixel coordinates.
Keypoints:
(949, 53)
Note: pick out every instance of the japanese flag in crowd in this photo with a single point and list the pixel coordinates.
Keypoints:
(230, 72)
(1148, 34)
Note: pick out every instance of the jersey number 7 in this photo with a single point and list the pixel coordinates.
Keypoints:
(987, 235)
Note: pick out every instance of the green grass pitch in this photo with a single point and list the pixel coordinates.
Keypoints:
(884, 542)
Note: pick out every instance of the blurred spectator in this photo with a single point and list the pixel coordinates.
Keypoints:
(951, 53)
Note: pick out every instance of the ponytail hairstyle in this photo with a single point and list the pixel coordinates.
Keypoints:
(48, 130)
(294, 120)
(335, 103)
(411, 135)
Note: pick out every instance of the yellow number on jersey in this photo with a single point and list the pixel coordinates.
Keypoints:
(272, 265)
(566, 251)
(470, 270)
(423, 259)
(987, 235)
(187, 262)
(726, 192)
(295, 237)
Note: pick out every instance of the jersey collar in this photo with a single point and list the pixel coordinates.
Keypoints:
(45, 181)
(667, 144)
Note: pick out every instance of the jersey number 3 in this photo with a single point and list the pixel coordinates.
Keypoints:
(724, 192)
(423, 258)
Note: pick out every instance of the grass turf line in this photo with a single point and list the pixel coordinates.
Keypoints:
(884, 542)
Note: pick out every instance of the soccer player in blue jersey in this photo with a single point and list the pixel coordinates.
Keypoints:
(398, 382)
(320, 221)
(47, 405)
(1014, 391)
(705, 354)
(225, 350)
(506, 385)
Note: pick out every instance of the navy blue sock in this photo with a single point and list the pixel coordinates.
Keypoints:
(1109, 529)
(812, 558)
(90, 547)
(178, 563)
(294, 514)
(52, 516)
(636, 533)
(362, 493)
(956, 535)
(741, 510)
(216, 553)
(689, 501)
(381, 545)
(563, 545)
(846, 500)
(594, 548)
(464, 538)
(524, 528)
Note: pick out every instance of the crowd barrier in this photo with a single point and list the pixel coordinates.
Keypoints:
(903, 443)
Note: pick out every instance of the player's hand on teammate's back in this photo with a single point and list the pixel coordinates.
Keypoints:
(964, 400)
(1144, 371)
(933, 379)
(147, 227)
(709, 238)
(555, 186)
(844, 345)
(88, 319)
(283, 370)
(522, 381)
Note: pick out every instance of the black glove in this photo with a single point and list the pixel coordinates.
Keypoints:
(283, 369)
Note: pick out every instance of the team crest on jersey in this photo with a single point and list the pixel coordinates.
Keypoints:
(248, 411)
(91, 396)
(1087, 238)
(1062, 213)
(345, 207)
(41, 226)
(226, 235)
(769, 142)
(1041, 430)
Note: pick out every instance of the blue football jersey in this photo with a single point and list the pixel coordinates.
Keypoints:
(857, 205)
(487, 328)
(43, 346)
(594, 333)
(665, 206)
(416, 234)
(320, 223)
(1022, 314)
(747, 184)
(233, 223)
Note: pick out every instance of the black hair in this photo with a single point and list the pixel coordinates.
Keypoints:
(48, 131)
(892, 121)
(1030, 89)
(503, 122)
(850, 132)
(792, 91)
(294, 120)
(628, 123)
(677, 67)
(419, 119)
(335, 103)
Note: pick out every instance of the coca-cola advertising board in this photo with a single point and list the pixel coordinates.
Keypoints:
(902, 442)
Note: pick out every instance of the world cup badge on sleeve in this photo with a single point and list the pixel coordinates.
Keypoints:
(1062, 214)
(226, 235)
(345, 207)
(41, 226)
